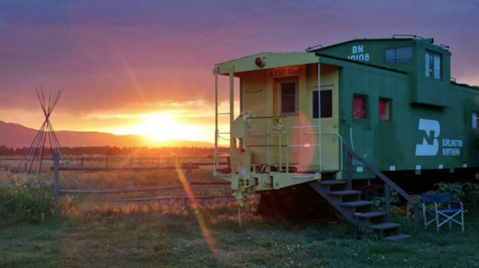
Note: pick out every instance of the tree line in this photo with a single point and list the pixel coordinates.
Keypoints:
(117, 151)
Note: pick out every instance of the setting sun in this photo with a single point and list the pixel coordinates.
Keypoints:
(161, 128)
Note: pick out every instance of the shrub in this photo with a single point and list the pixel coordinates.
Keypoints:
(25, 201)
(467, 192)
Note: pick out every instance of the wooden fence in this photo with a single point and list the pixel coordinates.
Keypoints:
(187, 167)
(111, 162)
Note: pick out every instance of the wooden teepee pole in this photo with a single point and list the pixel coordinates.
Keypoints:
(45, 134)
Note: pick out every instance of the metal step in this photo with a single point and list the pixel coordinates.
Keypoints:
(355, 204)
(398, 237)
(305, 177)
(345, 192)
(369, 215)
(385, 226)
(332, 182)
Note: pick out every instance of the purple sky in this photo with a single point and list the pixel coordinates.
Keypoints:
(119, 60)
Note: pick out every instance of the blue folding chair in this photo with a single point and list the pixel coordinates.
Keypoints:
(445, 210)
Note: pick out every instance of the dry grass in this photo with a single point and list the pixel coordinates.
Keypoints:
(212, 238)
(93, 233)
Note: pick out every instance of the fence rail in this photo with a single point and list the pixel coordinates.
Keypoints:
(119, 191)
(76, 163)
(188, 167)
(120, 168)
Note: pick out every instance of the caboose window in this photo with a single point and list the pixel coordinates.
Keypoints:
(397, 55)
(475, 120)
(359, 107)
(384, 109)
(433, 65)
(326, 104)
(288, 98)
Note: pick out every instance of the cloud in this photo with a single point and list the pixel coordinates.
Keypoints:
(118, 58)
(38, 12)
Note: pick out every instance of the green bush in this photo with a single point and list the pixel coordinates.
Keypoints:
(25, 201)
(467, 192)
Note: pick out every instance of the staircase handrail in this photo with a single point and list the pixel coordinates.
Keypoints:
(386, 180)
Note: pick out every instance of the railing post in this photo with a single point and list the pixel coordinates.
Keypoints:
(82, 160)
(350, 171)
(416, 216)
(56, 177)
(387, 208)
(106, 160)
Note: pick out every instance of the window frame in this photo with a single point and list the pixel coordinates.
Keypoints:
(365, 106)
(431, 68)
(314, 106)
(395, 58)
(388, 112)
(296, 97)
(475, 120)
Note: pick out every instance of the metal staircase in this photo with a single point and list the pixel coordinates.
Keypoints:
(347, 201)
(359, 212)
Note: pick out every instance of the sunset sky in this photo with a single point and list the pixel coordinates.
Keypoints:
(136, 67)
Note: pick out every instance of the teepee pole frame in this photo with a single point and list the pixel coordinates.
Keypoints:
(45, 136)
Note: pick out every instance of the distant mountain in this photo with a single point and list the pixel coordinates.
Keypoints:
(16, 136)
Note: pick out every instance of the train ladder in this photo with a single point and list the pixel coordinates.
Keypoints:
(220, 135)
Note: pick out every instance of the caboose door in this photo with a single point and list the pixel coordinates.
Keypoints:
(312, 142)
(324, 120)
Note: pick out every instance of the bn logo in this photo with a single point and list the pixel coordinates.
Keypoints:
(430, 143)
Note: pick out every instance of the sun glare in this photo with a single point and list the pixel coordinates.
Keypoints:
(162, 128)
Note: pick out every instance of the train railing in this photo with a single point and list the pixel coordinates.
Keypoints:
(278, 138)
(319, 145)
(390, 185)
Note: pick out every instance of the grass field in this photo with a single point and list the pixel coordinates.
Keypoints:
(101, 237)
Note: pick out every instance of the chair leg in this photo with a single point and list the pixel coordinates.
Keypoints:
(437, 221)
(424, 215)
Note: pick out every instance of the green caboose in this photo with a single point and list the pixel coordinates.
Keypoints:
(391, 101)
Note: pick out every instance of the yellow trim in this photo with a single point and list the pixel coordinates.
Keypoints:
(272, 60)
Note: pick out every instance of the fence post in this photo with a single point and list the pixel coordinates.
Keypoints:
(189, 173)
(56, 177)
(106, 157)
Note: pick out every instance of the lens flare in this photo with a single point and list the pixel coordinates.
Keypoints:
(194, 207)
